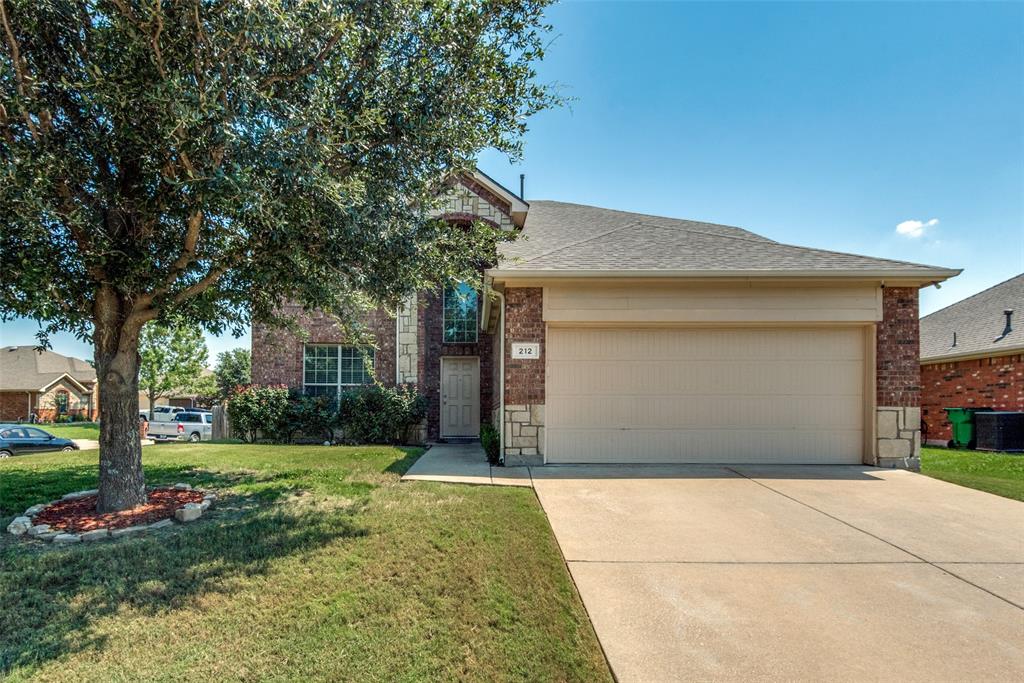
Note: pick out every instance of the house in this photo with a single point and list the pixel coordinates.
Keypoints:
(613, 337)
(972, 355)
(45, 383)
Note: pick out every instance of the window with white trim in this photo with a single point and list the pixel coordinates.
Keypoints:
(329, 368)
(461, 313)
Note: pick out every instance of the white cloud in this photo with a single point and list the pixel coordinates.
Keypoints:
(914, 228)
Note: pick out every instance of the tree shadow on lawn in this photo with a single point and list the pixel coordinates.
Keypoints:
(402, 465)
(51, 596)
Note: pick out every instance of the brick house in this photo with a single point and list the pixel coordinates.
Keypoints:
(45, 383)
(972, 355)
(607, 336)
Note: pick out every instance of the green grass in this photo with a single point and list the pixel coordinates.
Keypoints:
(315, 564)
(998, 473)
(73, 430)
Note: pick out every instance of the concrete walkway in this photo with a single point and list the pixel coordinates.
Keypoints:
(464, 464)
(792, 573)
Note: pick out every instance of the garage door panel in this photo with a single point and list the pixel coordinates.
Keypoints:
(674, 411)
(708, 377)
(705, 395)
(701, 446)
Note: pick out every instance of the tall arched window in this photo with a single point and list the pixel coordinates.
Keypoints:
(460, 314)
(60, 400)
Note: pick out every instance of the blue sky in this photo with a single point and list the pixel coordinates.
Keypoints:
(820, 124)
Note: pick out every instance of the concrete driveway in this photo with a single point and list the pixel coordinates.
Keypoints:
(795, 573)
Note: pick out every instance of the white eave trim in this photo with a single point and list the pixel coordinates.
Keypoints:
(928, 276)
(81, 387)
(972, 355)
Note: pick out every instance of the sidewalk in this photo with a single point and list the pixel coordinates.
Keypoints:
(464, 464)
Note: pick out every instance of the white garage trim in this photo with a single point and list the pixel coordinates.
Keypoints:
(708, 394)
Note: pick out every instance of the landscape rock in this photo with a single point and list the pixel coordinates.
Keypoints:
(61, 539)
(205, 505)
(212, 497)
(19, 526)
(95, 535)
(79, 494)
(35, 510)
(39, 529)
(190, 513)
(183, 487)
(161, 524)
(129, 530)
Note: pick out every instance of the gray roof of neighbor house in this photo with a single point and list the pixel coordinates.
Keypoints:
(561, 239)
(23, 368)
(979, 323)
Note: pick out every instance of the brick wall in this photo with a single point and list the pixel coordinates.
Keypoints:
(432, 348)
(13, 406)
(898, 366)
(985, 383)
(277, 354)
(524, 322)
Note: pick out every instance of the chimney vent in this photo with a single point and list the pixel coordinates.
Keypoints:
(522, 186)
(1009, 320)
(954, 340)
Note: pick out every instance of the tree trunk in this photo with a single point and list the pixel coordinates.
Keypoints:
(116, 339)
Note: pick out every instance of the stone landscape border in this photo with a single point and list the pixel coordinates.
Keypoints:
(23, 526)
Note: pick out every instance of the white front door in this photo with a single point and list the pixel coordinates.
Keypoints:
(460, 396)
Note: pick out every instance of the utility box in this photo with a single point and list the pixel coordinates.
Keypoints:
(1000, 431)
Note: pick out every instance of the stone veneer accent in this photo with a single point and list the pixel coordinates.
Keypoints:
(898, 381)
(524, 379)
(524, 434)
(465, 203)
(996, 383)
(408, 345)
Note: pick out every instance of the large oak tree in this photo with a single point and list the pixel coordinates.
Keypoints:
(209, 160)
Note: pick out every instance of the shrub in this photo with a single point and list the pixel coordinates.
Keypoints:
(253, 409)
(379, 414)
(491, 442)
(313, 416)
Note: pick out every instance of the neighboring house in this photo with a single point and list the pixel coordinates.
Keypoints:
(972, 355)
(45, 383)
(607, 336)
(181, 398)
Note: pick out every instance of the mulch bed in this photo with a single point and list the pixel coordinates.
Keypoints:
(77, 516)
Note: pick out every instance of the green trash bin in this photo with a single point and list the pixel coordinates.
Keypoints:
(962, 421)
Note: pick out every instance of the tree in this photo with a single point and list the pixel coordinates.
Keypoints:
(172, 359)
(213, 160)
(234, 369)
(205, 391)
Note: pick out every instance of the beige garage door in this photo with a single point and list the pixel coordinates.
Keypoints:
(704, 395)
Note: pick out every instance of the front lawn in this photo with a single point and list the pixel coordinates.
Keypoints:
(315, 564)
(998, 473)
(73, 430)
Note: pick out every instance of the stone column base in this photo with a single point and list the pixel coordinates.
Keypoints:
(898, 437)
(524, 434)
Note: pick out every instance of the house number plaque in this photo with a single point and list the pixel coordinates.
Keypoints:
(525, 351)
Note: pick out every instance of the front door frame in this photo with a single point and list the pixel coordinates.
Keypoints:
(476, 396)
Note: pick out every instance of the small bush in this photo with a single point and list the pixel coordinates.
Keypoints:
(254, 409)
(491, 442)
(313, 416)
(377, 414)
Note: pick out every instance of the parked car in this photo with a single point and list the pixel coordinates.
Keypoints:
(23, 439)
(190, 425)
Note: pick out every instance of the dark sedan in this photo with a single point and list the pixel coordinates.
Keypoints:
(24, 439)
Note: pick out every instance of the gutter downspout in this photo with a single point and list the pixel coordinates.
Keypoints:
(398, 316)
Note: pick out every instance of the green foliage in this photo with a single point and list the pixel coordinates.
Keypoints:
(234, 369)
(214, 160)
(380, 415)
(255, 409)
(172, 360)
(489, 439)
(206, 391)
(312, 416)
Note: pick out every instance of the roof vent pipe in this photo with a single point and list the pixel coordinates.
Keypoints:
(1009, 319)
(522, 186)
(954, 339)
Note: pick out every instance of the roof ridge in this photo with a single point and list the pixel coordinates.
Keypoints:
(583, 241)
(972, 296)
(655, 216)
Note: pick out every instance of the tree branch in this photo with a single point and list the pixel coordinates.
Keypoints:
(19, 69)
(306, 70)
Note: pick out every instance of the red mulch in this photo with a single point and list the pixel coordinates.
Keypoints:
(76, 516)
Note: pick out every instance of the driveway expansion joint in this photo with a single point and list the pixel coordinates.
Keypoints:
(883, 540)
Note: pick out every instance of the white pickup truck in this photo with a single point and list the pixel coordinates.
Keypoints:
(188, 425)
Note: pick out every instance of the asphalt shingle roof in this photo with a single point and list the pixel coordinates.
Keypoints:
(979, 323)
(559, 236)
(23, 368)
